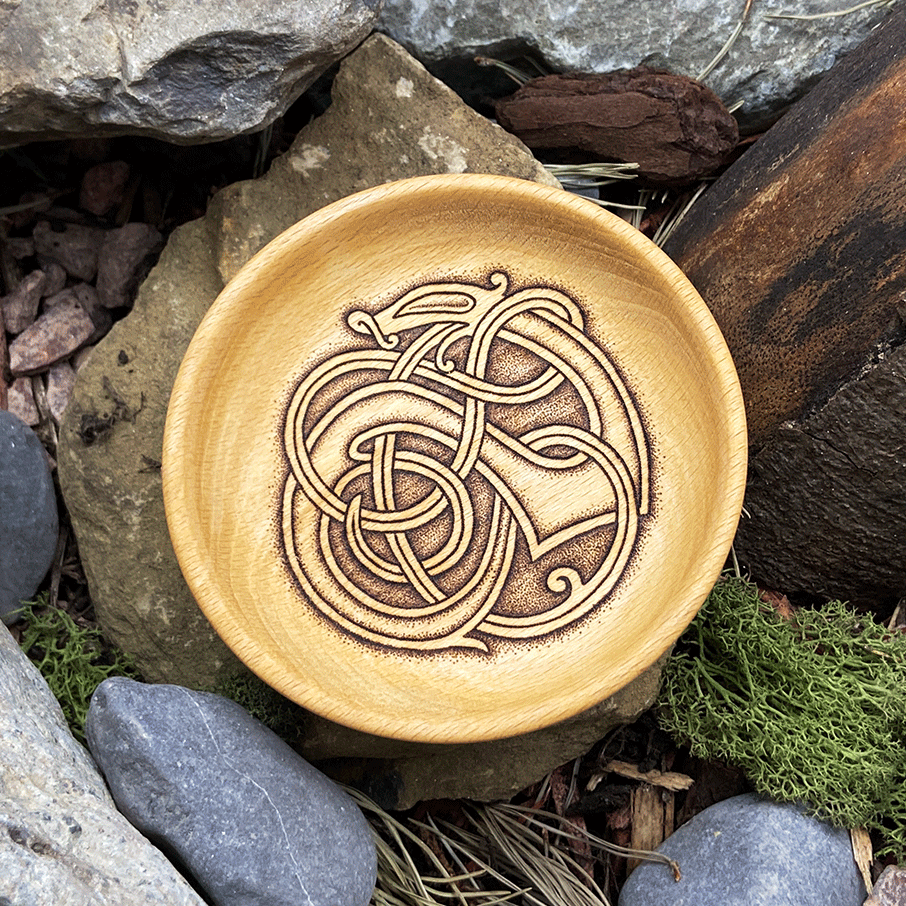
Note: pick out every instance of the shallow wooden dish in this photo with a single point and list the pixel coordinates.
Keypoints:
(454, 458)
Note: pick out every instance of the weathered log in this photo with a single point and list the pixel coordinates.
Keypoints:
(826, 496)
(673, 127)
(799, 249)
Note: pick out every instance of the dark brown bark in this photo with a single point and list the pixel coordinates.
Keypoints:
(675, 128)
(799, 249)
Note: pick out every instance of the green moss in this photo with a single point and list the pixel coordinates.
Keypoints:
(73, 660)
(263, 703)
(813, 709)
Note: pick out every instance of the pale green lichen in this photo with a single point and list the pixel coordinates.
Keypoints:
(73, 660)
(812, 708)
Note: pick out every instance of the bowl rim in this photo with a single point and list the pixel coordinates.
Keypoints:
(192, 561)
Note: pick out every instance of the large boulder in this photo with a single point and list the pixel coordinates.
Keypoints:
(773, 61)
(62, 841)
(173, 69)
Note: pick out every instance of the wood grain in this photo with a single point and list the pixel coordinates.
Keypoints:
(454, 458)
(799, 249)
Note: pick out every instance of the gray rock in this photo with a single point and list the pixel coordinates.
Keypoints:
(253, 822)
(62, 841)
(747, 851)
(174, 69)
(28, 515)
(771, 64)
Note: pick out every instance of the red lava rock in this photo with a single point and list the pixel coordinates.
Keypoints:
(675, 128)
(60, 383)
(56, 335)
(20, 307)
(125, 259)
(85, 295)
(56, 278)
(103, 187)
(21, 401)
(75, 247)
(20, 246)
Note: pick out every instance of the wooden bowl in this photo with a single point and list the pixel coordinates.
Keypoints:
(454, 458)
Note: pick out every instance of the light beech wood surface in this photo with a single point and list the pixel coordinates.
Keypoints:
(454, 458)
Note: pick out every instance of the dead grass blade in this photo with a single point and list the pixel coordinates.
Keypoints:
(676, 216)
(726, 48)
(830, 15)
(401, 882)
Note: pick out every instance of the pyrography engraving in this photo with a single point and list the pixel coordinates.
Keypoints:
(477, 469)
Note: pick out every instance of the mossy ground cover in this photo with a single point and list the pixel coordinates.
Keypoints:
(72, 659)
(811, 707)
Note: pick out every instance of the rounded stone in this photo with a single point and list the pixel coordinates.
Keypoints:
(28, 515)
(748, 851)
(251, 821)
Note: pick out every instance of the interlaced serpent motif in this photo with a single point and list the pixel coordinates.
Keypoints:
(479, 471)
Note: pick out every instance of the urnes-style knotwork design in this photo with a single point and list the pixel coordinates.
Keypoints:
(476, 470)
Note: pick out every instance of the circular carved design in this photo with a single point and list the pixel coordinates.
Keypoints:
(478, 434)
(454, 458)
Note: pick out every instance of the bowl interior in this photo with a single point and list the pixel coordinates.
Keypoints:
(454, 458)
